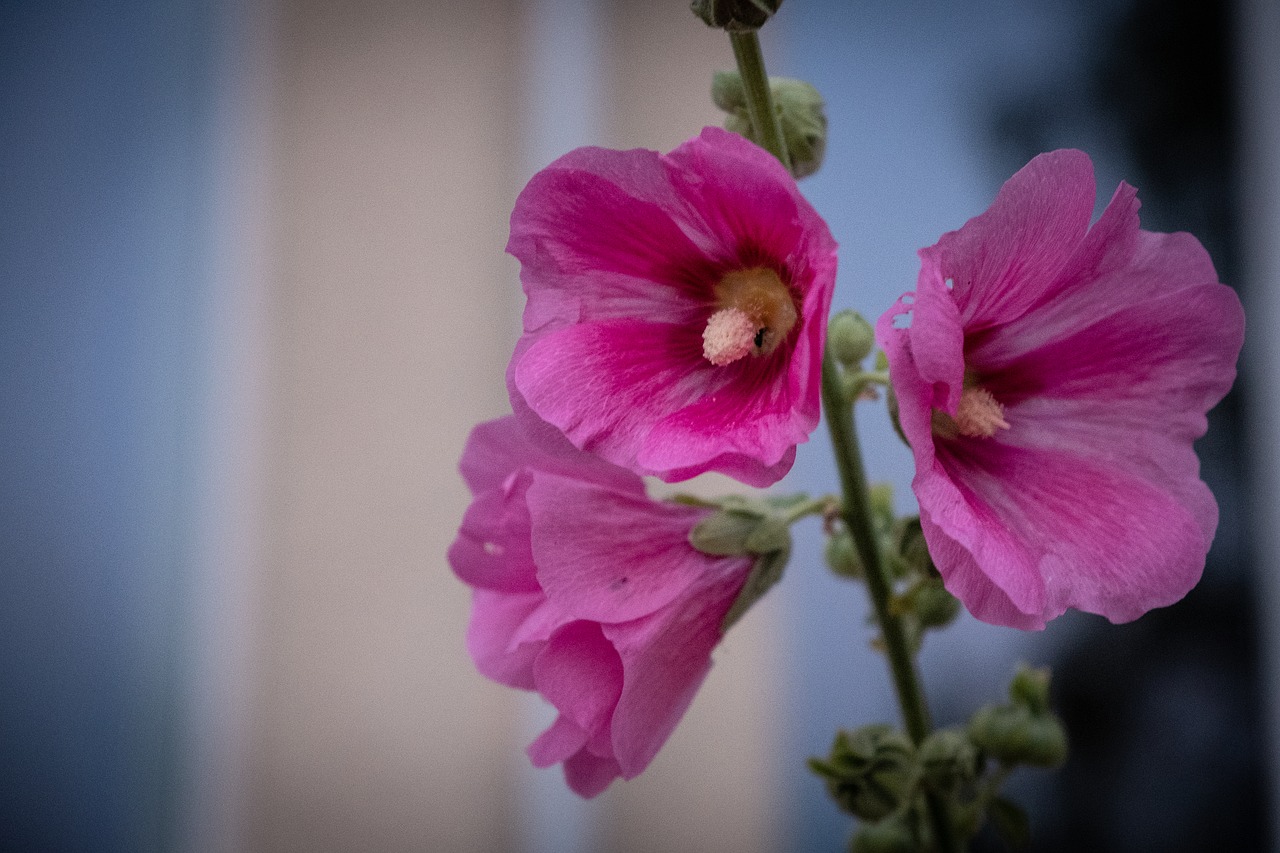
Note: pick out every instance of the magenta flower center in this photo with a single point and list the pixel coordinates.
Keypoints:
(978, 415)
(755, 312)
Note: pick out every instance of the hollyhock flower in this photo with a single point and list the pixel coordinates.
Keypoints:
(676, 307)
(1051, 377)
(589, 593)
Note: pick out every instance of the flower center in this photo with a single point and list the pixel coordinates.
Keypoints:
(756, 312)
(977, 416)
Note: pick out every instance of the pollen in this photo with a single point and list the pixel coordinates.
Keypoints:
(979, 415)
(755, 313)
(730, 334)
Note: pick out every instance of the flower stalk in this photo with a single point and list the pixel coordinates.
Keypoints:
(764, 117)
(856, 514)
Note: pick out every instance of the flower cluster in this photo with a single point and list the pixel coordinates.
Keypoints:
(1050, 377)
(675, 323)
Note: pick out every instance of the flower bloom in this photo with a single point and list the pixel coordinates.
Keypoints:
(589, 593)
(676, 307)
(1051, 377)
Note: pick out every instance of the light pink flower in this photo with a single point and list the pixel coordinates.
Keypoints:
(676, 309)
(1051, 377)
(589, 593)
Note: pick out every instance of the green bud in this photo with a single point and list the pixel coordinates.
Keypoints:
(801, 114)
(911, 546)
(850, 338)
(842, 557)
(948, 759)
(1030, 688)
(891, 835)
(880, 497)
(933, 605)
(736, 16)
(1012, 734)
(869, 772)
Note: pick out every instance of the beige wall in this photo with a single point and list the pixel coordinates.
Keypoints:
(390, 313)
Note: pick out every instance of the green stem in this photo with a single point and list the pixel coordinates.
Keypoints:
(764, 118)
(857, 519)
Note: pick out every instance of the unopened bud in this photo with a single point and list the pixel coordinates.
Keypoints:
(842, 557)
(933, 605)
(801, 115)
(1012, 734)
(869, 772)
(1030, 688)
(736, 16)
(850, 338)
(948, 759)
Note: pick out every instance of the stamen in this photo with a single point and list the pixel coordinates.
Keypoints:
(756, 313)
(730, 334)
(979, 415)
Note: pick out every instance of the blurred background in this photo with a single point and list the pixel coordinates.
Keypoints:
(253, 298)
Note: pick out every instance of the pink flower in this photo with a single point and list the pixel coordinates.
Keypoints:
(1051, 377)
(676, 307)
(589, 593)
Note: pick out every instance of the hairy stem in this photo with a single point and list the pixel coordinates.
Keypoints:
(764, 118)
(856, 514)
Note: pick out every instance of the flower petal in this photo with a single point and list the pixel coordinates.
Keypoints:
(492, 547)
(588, 775)
(604, 384)
(562, 739)
(1007, 260)
(581, 675)
(495, 619)
(1127, 548)
(666, 657)
(632, 559)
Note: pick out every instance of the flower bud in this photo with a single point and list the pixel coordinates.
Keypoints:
(842, 557)
(948, 760)
(1012, 734)
(850, 338)
(1030, 688)
(933, 605)
(735, 15)
(801, 113)
(869, 773)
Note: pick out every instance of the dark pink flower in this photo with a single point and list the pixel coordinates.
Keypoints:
(589, 593)
(676, 309)
(1051, 377)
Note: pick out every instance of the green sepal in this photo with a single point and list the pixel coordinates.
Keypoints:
(766, 572)
(724, 533)
(749, 526)
(870, 772)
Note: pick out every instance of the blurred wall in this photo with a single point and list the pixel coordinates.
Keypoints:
(397, 146)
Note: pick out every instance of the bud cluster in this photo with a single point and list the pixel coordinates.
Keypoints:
(877, 775)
